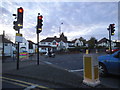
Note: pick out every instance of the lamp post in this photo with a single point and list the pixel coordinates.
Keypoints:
(60, 28)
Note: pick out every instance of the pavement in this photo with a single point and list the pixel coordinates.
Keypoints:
(45, 72)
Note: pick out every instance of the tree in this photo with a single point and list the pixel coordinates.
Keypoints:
(92, 42)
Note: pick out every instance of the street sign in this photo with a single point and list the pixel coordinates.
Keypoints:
(19, 38)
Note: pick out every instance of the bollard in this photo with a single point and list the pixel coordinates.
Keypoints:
(91, 73)
(87, 51)
(96, 51)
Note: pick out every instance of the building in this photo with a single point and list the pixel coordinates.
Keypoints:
(24, 45)
(9, 47)
(105, 43)
(31, 47)
(53, 43)
(71, 44)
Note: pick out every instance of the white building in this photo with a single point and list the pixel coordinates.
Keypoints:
(9, 47)
(24, 45)
(53, 43)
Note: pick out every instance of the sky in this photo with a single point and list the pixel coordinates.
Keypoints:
(80, 19)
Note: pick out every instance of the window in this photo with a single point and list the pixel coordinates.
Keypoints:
(42, 42)
(49, 43)
(6, 44)
(43, 48)
(54, 43)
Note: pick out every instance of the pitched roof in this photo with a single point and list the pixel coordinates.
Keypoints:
(50, 39)
(30, 41)
(103, 40)
(73, 41)
(5, 40)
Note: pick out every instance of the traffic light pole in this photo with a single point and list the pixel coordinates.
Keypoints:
(18, 53)
(110, 41)
(37, 48)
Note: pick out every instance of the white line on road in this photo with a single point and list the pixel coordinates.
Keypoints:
(79, 70)
(30, 87)
(47, 62)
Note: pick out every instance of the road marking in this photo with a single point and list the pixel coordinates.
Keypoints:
(47, 62)
(26, 83)
(15, 83)
(18, 81)
(30, 87)
(79, 70)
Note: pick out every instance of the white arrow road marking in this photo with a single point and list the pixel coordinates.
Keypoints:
(79, 70)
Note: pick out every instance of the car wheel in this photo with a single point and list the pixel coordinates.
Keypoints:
(102, 70)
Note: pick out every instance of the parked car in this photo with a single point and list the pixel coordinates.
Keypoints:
(109, 64)
(52, 54)
(114, 49)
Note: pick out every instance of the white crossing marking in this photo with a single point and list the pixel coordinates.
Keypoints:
(79, 70)
(30, 87)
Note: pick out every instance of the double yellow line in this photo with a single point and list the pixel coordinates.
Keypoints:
(17, 82)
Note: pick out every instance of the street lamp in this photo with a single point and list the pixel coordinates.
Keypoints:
(60, 28)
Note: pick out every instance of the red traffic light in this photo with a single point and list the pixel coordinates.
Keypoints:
(20, 10)
(40, 17)
(113, 24)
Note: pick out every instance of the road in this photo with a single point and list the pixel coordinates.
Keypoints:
(15, 82)
(74, 63)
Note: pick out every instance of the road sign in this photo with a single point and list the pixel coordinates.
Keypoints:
(19, 38)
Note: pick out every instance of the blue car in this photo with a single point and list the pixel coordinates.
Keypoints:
(109, 64)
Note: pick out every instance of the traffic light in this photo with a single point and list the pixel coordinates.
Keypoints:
(39, 23)
(112, 26)
(20, 17)
(16, 27)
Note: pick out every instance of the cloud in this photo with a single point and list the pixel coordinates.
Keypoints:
(79, 18)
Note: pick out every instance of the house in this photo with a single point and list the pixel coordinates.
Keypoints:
(105, 43)
(9, 47)
(31, 47)
(53, 43)
(78, 42)
(71, 44)
(24, 45)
